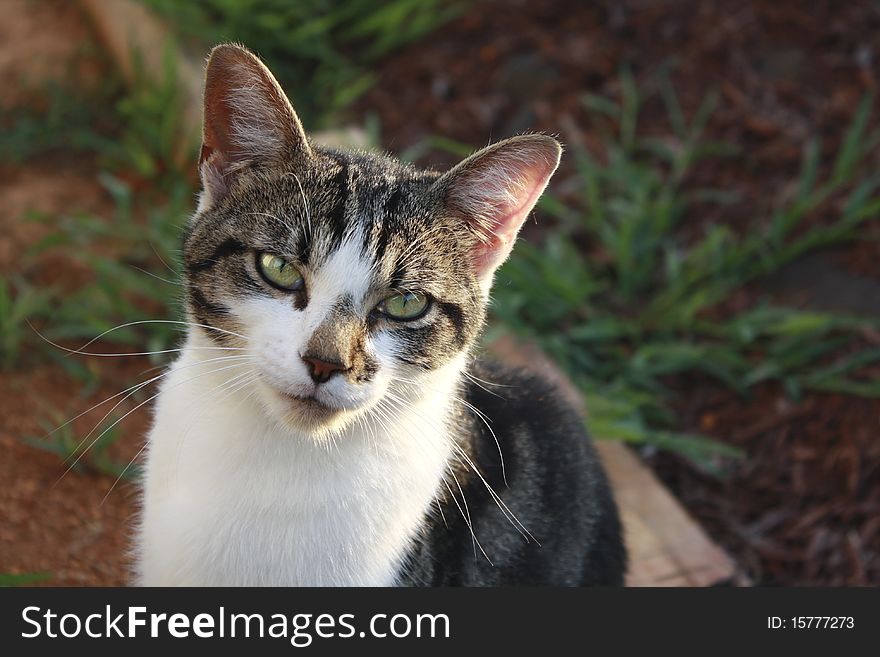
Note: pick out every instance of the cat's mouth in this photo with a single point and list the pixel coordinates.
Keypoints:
(308, 410)
(309, 402)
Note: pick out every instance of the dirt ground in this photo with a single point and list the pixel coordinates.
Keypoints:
(802, 508)
(48, 524)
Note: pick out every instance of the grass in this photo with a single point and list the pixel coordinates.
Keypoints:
(22, 579)
(320, 50)
(83, 454)
(133, 255)
(135, 129)
(651, 306)
(135, 138)
(19, 302)
(68, 118)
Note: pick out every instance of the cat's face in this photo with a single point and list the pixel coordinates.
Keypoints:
(350, 280)
(343, 276)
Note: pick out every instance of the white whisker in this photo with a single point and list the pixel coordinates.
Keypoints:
(141, 404)
(140, 322)
(502, 506)
(162, 260)
(305, 202)
(149, 273)
(476, 412)
(122, 474)
(132, 389)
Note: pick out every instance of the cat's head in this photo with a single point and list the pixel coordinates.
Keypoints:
(346, 276)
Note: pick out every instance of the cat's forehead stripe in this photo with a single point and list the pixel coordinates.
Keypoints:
(338, 215)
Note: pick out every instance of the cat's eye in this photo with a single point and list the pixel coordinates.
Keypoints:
(404, 306)
(279, 272)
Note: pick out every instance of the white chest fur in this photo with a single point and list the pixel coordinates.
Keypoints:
(231, 498)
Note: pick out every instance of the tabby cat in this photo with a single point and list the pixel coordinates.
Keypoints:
(326, 423)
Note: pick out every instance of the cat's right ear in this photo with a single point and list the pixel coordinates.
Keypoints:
(248, 121)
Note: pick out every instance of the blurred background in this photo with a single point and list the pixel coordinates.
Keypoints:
(704, 267)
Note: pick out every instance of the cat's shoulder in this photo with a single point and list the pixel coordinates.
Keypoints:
(532, 420)
(509, 394)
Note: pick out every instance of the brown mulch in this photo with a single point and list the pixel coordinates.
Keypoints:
(803, 506)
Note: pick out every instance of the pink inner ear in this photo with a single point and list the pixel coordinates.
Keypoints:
(506, 224)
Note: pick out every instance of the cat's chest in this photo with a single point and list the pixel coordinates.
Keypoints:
(311, 526)
(231, 504)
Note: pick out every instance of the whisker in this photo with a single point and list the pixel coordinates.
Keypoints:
(477, 383)
(502, 506)
(141, 404)
(283, 223)
(305, 202)
(145, 321)
(498, 501)
(465, 512)
(235, 383)
(99, 404)
(161, 259)
(128, 396)
(79, 352)
(440, 509)
(122, 474)
(136, 387)
(149, 273)
(421, 238)
(478, 413)
(487, 422)
(488, 383)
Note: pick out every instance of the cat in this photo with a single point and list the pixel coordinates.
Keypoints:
(326, 423)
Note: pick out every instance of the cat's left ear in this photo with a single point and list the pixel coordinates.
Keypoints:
(494, 190)
(248, 120)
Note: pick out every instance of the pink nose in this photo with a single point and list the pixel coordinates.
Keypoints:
(322, 370)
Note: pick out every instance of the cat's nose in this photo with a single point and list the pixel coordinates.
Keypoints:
(322, 370)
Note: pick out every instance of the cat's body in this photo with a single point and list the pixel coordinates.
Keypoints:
(320, 427)
(558, 525)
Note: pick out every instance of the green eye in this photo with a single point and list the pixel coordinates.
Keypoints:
(404, 306)
(279, 272)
